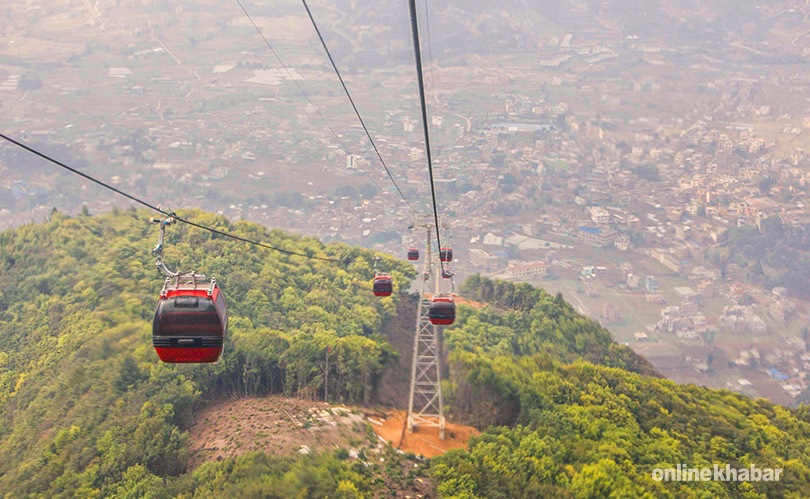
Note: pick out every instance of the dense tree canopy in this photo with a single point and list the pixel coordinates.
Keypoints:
(88, 409)
(584, 417)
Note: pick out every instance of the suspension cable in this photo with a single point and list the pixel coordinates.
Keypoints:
(430, 54)
(420, 80)
(159, 210)
(292, 77)
(356, 111)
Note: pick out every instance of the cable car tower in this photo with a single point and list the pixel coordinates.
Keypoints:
(425, 407)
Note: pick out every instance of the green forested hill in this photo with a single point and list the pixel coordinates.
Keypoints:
(87, 409)
(581, 417)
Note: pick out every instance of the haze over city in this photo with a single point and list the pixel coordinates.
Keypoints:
(645, 159)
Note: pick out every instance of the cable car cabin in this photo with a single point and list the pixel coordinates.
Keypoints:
(413, 254)
(446, 254)
(442, 311)
(191, 321)
(383, 285)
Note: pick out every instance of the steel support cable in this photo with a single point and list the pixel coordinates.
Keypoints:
(292, 78)
(162, 211)
(430, 53)
(420, 80)
(354, 106)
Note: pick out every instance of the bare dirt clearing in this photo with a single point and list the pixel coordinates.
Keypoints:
(273, 425)
(283, 427)
(425, 441)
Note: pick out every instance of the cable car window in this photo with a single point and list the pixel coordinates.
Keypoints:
(223, 310)
(186, 302)
(176, 319)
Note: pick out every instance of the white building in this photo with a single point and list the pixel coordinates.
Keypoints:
(599, 215)
(531, 269)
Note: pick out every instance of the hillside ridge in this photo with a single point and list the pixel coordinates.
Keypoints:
(90, 411)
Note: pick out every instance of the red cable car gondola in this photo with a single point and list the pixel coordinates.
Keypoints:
(446, 254)
(413, 254)
(383, 285)
(442, 311)
(191, 320)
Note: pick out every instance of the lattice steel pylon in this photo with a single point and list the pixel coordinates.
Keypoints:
(425, 407)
